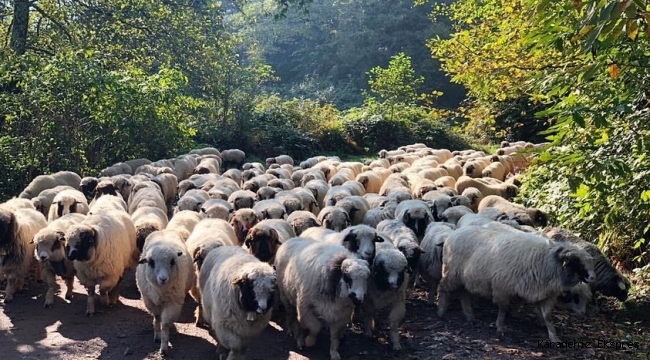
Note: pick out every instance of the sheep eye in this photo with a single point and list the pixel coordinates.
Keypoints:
(172, 262)
(152, 263)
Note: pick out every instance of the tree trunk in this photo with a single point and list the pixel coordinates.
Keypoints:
(19, 27)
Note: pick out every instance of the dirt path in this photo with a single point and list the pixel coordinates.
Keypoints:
(28, 331)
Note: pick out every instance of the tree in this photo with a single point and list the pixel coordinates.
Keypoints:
(397, 84)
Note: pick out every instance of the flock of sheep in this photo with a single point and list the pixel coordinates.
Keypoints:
(323, 240)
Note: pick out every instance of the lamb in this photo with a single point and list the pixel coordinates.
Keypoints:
(519, 213)
(609, 281)
(237, 291)
(233, 158)
(242, 199)
(334, 218)
(242, 221)
(505, 190)
(386, 287)
(264, 239)
(43, 182)
(146, 220)
(164, 276)
(207, 235)
(17, 229)
(576, 299)
(319, 279)
(301, 221)
(102, 248)
(430, 264)
(415, 214)
(66, 202)
(538, 271)
(404, 240)
(43, 201)
(50, 243)
(183, 223)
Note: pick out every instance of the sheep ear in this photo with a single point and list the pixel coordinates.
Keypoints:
(406, 217)
(239, 280)
(230, 211)
(350, 237)
(143, 260)
(203, 210)
(60, 235)
(275, 236)
(379, 238)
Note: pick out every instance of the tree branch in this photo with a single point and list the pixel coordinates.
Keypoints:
(58, 24)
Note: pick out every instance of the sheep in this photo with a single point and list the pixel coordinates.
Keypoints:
(43, 182)
(116, 169)
(266, 193)
(355, 206)
(43, 201)
(66, 202)
(292, 201)
(17, 230)
(302, 220)
(208, 234)
(242, 221)
(308, 199)
(495, 170)
(415, 214)
(371, 181)
(609, 281)
(359, 239)
(453, 169)
(281, 159)
(404, 240)
(319, 279)
(319, 189)
(264, 239)
(505, 190)
(270, 209)
(207, 166)
(253, 165)
(147, 197)
(87, 186)
(183, 167)
(386, 287)
(576, 299)
(49, 243)
(454, 214)
(374, 200)
(475, 196)
(238, 291)
(311, 162)
(164, 275)
(538, 271)
(242, 199)
(105, 187)
(233, 174)
(107, 203)
(232, 158)
(205, 151)
(18, 203)
(146, 220)
(102, 247)
(183, 223)
(430, 264)
(334, 218)
(519, 213)
(438, 203)
(168, 184)
(192, 200)
(334, 194)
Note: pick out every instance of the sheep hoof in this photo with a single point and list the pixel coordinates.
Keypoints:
(89, 314)
(68, 296)
(47, 305)
(397, 347)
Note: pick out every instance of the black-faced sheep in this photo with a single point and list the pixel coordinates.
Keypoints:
(359, 239)
(355, 206)
(88, 185)
(192, 200)
(404, 240)
(66, 202)
(319, 279)
(238, 291)
(17, 229)
(264, 239)
(415, 214)
(538, 271)
(164, 276)
(609, 281)
(266, 193)
(102, 248)
(430, 262)
(146, 220)
(43, 201)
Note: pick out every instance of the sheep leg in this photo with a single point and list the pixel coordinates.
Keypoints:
(501, 318)
(156, 328)
(69, 284)
(433, 289)
(198, 314)
(50, 279)
(167, 317)
(90, 304)
(336, 331)
(309, 321)
(237, 354)
(222, 351)
(104, 299)
(38, 273)
(395, 318)
(20, 283)
(368, 323)
(11, 287)
(466, 304)
(443, 303)
(114, 293)
(546, 307)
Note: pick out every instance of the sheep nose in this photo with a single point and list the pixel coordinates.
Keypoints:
(354, 299)
(262, 310)
(72, 254)
(162, 279)
(43, 258)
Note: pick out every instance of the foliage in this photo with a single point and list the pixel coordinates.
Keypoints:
(397, 84)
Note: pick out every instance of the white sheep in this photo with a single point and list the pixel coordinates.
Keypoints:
(43, 201)
(280, 159)
(505, 190)
(242, 199)
(146, 220)
(519, 213)
(359, 239)
(183, 223)
(264, 239)
(454, 214)
(334, 218)
(233, 158)
(43, 182)
(150, 196)
(107, 203)
(50, 252)
(237, 291)
(270, 209)
(116, 169)
(164, 276)
(168, 183)
(404, 240)
(17, 230)
(475, 196)
(537, 271)
(385, 212)
(102, 248)
(319, 279)
(355, 206)
(66, 202)
(192, 200)
(371, 181)
(430, 263)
